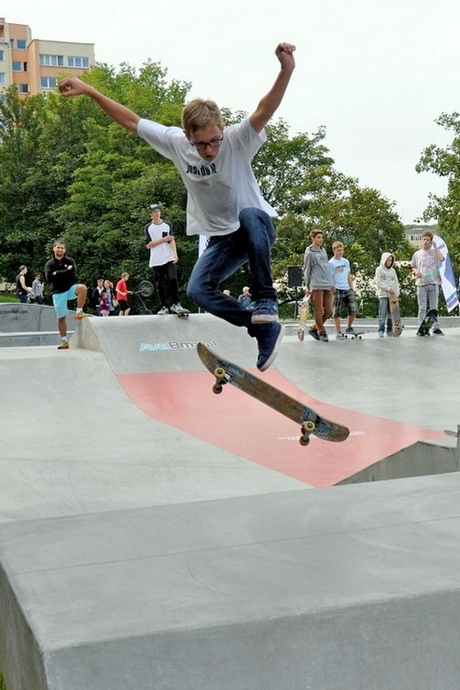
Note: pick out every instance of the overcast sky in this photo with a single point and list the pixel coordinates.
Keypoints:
(375, 73)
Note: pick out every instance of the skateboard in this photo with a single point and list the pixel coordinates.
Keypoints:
(310, 422)
(183, 314)
(395, 317)
(354, 336)
(427, 323)
(304, 314)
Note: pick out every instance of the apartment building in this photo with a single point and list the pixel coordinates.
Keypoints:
(35, 65)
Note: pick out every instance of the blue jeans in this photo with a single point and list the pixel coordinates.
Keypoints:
(385, 315)
(223, 256)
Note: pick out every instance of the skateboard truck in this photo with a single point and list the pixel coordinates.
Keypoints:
(307, 429)
(221, 378)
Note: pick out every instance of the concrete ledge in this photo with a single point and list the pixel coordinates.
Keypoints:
(28, 325)
(350, 587)
(421, 458)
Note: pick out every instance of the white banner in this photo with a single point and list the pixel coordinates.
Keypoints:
(447, 275)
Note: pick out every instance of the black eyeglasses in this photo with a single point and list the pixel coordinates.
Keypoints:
(201, 145)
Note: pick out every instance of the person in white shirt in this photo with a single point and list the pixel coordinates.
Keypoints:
(163, 259)
(224, 199)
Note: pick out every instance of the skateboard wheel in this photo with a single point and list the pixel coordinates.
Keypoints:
(219, 373)
(308, 427)
(304, 440)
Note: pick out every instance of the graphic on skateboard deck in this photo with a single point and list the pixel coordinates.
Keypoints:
(310, 422)
(395, 317)
(304, 314)
(427, 323)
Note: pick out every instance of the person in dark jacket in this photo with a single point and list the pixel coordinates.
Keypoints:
(60, 273)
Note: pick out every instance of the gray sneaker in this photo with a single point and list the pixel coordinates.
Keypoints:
(163, 310)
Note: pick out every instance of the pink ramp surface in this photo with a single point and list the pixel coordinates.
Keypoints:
(235, 422)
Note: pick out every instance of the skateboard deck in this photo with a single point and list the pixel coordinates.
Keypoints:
(183, 314)
(395, 317)
(427, 323)
(310, 422)
(304, 314)
(354, 336)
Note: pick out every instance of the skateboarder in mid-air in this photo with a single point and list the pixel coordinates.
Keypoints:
(224, 200)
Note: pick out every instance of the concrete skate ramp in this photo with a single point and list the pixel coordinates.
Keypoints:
(350, 587)
(26, 325)
(155, 361)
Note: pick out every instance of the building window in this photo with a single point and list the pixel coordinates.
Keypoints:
(23, 88)
(48, 82)
(76, 61)
(2, 78)
(17, 66)
(52, 60)
(21, 44)
(2, 55)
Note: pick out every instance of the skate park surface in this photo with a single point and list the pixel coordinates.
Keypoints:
(155, 535)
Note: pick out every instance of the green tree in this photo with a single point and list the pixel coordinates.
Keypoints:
(445, 162)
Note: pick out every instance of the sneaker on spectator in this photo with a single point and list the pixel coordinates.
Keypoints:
(177, 308)
(163, 310)
(269, 342)
(63, 345)
(265, 311)
(323, 337)
(437, 331)
(314, 333)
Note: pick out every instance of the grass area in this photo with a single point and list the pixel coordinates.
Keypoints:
(2, 682)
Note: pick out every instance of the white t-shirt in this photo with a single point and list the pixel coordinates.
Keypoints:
(219, 190)
(162, 253)
(340, 271)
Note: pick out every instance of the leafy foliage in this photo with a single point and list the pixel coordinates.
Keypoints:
(67, 171)
(445, 162)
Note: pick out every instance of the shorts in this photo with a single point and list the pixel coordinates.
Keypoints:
(123, 304)
(347, 298)
(60, 300)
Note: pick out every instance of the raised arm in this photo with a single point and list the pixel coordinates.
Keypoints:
(72, 86)
(271, 101)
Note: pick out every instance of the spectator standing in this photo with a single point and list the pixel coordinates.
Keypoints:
(425, 267)
(23, 291)
(122, 293)
(37, 289)
(163, 259)
(60, 273)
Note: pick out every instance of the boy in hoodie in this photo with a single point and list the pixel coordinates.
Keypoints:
(319, 283)
(387, 288)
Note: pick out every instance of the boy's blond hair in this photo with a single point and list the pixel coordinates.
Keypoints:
(199, 114)
(337, 245)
